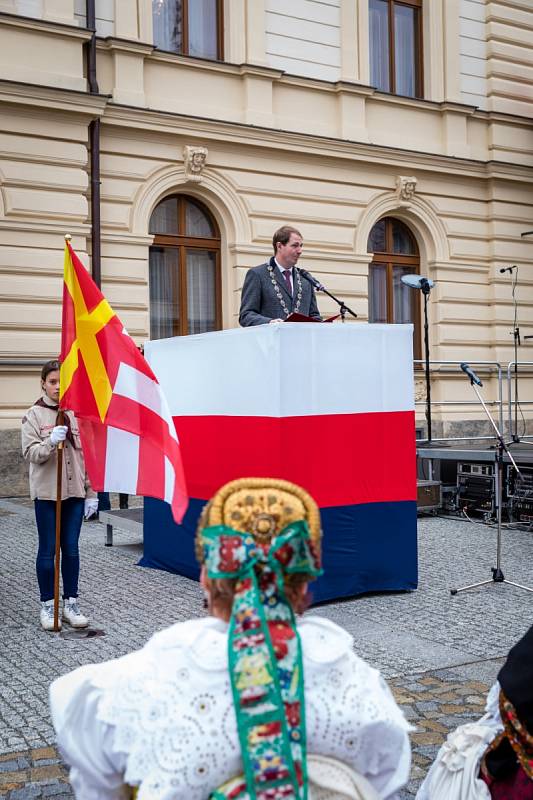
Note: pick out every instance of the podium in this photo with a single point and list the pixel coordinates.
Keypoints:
(330, 407)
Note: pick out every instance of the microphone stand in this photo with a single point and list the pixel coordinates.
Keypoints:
(516, 337)
(497, 574)
(426, 288)
(344, 309)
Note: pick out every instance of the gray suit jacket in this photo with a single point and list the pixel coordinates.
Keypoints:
(260, 304)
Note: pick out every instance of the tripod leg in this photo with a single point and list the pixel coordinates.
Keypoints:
(471, 586)
(518, 585)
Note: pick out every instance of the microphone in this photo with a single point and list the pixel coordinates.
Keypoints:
(471, 374)
(308, 277)
(508, 269)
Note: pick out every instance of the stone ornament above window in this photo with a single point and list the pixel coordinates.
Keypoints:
(420, 390)
(195, 158)
(405, 188)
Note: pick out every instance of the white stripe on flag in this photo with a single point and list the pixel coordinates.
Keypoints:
(121, 461)
(140, 388)
(170, 481)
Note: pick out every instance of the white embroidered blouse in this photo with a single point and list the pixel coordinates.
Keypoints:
(162, 718)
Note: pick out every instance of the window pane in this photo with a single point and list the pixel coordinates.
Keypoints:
(201, 290)
(377, 293)
(379, 44)
(203, 28)
(164, 292)
(404, 297)
(197, 223)
(164, 218)
(168, 24)
(376, 240)
(402, 241)
(404, 50)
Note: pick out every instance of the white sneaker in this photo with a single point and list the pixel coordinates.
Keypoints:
(47, 616)
(72, 613)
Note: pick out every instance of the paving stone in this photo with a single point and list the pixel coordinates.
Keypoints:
(27, 793)
(439, 653)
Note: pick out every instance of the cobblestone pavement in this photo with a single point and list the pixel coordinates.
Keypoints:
(439, 653)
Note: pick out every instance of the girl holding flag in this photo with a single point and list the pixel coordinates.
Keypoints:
(41, 436)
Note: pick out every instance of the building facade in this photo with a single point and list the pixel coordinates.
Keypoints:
(396, 136)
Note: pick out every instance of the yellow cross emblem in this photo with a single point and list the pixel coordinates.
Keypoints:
(87, 326)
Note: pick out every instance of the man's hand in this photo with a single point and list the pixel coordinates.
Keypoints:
(91, 507)
(59, 434)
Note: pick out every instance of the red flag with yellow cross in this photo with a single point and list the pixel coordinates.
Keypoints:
(128, 435)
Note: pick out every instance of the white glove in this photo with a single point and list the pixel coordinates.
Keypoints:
(59, 434)
(91, 507)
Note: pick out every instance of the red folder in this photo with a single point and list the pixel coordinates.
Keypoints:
(296, 317)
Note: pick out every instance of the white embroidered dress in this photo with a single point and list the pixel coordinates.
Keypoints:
(162, 718)
(454, 775)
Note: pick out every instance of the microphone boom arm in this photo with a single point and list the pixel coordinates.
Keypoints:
(321, 288)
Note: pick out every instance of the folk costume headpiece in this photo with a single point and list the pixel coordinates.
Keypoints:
(263, 534)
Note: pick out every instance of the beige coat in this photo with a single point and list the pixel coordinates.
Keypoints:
(37, 449)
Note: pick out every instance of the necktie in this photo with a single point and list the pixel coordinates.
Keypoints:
(288, 282)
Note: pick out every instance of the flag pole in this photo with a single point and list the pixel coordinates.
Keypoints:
(59, 421)
(59, 486)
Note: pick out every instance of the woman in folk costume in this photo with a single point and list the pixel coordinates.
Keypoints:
(41, 436)
(492, 758)
(239, 699)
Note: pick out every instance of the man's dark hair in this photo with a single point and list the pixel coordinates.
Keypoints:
(50, 366)
(283, 235)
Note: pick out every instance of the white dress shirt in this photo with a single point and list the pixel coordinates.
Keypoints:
(291, 276)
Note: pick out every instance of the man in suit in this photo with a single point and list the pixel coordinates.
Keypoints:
(273, 290)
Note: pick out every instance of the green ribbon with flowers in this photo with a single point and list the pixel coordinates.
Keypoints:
(265, 658)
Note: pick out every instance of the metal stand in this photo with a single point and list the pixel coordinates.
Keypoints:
(516, 341)
(426, 288)
(497, 573)
(343, 308)
(513, 273)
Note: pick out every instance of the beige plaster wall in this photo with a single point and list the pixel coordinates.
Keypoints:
(325, 156)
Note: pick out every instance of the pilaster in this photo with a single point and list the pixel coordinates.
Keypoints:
(456, 131)
(127, 19)
(59, 11)
(352, 112)
(258, 92)
(452, 45)
(128, 63)
(255, 32)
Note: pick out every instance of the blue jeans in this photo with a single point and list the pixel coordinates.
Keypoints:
(71, 519)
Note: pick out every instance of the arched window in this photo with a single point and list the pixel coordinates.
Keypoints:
(184, 269)
(395, 254)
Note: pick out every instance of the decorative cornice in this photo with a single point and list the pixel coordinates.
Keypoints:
(125, 46)
(239, 134)
(36, 225)
(358, 89)
(50, 97)
(44, 26)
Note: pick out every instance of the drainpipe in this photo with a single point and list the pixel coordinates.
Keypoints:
(94, 148)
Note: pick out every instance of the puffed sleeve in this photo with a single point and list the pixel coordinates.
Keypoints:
(351, 713)
(85, 742)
